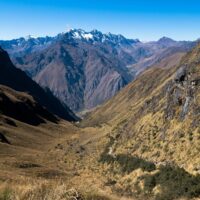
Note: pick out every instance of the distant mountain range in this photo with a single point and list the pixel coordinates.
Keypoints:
(84, 69)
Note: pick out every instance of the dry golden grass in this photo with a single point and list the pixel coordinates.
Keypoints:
(125, 149)
(140, 131)
(30, 189)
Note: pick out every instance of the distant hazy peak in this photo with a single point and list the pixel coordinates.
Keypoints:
(166, 40)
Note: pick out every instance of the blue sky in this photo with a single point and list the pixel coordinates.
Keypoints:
(143, 19)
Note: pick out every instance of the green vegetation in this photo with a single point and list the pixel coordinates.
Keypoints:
(174, 182)
(6, 194)
(128, 163)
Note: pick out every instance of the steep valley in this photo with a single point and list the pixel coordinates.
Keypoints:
(143, 143)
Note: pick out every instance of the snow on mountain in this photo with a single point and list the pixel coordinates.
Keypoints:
(29, 44)
(87, 36)
(97, 36)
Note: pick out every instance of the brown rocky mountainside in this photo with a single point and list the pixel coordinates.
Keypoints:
(84, 69)
(18, 80)
(153, 146)
(78, 71)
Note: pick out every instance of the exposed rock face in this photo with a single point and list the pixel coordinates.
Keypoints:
(18, 80)
(84, 69)
(183, 91)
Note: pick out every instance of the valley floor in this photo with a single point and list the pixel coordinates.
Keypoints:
(50, 161)
(63, 161)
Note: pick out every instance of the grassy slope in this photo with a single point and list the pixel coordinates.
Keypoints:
(153, 151)
(50, 160)
(126, 147)
(39, 152)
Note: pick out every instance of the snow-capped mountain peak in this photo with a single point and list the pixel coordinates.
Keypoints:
(28, 37)
(97, 36)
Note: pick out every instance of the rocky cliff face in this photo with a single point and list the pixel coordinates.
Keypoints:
(183, 93)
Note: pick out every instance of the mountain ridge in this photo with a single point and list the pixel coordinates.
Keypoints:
(18, 80)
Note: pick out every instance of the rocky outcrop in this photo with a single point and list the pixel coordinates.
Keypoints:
(183, 91)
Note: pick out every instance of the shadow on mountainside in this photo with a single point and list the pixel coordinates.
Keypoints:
(166, 182)
(23, 108)
(128, 163)
(173, 182)
(3, 139)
